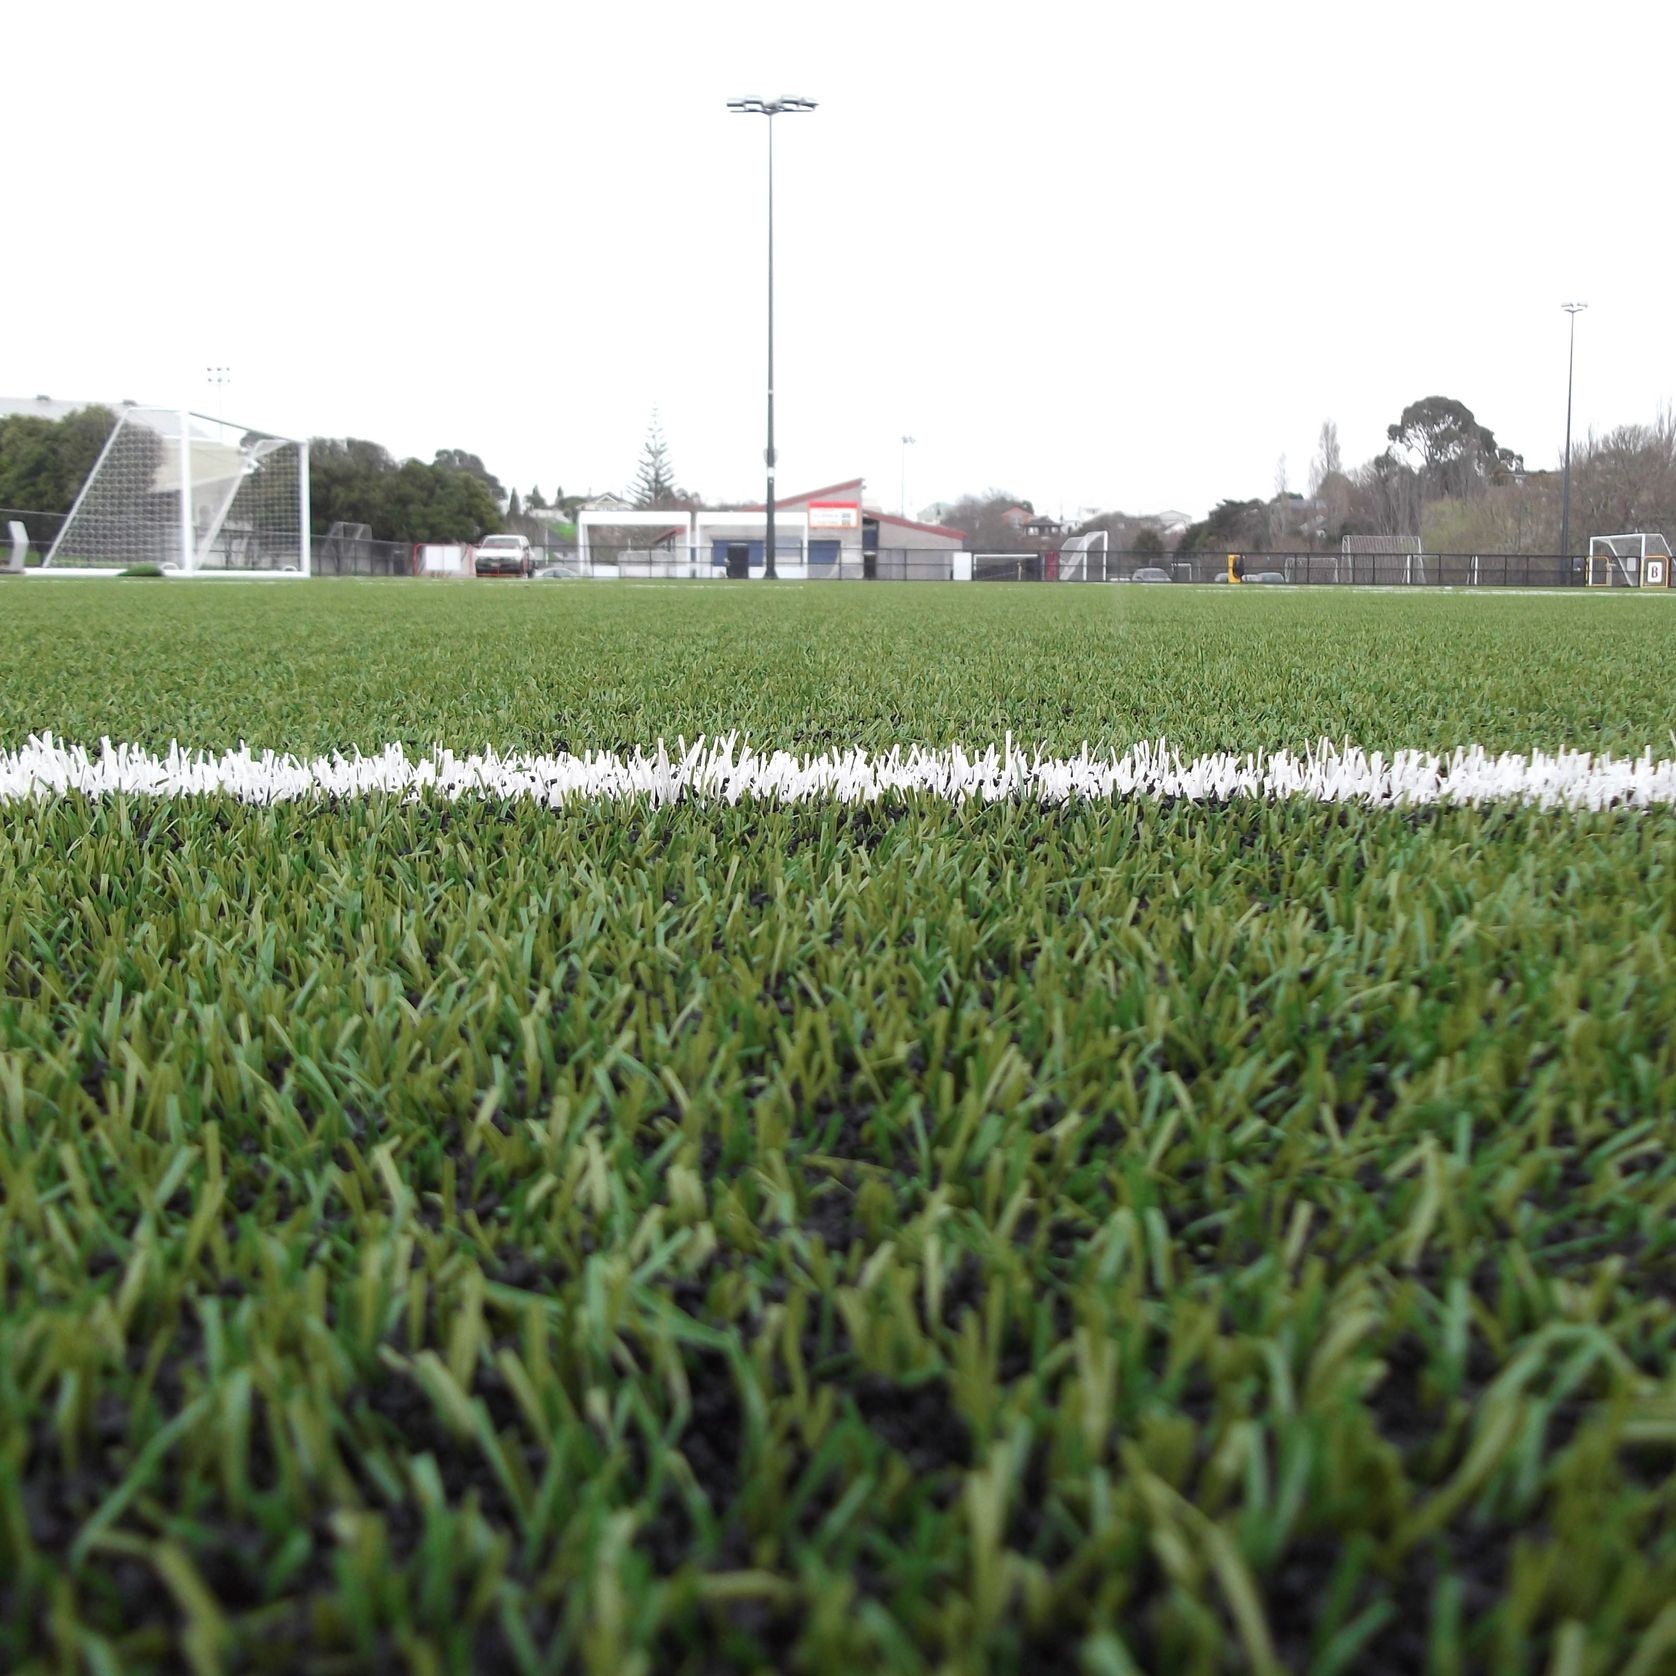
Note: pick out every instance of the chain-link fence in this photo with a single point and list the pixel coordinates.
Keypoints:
(40, 530)
(354, 555)
(341, 555)
(1321, 569)
(1383, 570)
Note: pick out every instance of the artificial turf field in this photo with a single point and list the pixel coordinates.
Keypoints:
(1155, 1236)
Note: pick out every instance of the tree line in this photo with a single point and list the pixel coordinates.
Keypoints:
(1444, 477)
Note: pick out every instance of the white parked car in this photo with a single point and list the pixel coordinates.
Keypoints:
(504, 555)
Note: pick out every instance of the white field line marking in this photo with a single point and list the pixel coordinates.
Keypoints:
(730, 771)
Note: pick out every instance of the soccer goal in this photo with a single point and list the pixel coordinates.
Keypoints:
(1628, 561)
(188, 493)
(1388, 559)
(1082, 558)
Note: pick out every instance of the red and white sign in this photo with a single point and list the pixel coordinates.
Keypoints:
(834, 515)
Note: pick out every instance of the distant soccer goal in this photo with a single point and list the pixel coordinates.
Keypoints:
(1389, 559)
(1082, 558)
(187, 493)
(1628, 561)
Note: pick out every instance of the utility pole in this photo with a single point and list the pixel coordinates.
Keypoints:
(770, 108)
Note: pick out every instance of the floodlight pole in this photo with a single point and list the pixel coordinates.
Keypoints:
(1573, 309)
(902, 487)
(770, 108)
(770, 547)
(188, 534)
(219, 377)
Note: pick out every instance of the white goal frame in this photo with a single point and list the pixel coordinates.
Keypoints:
(1406, 547)
(193, 481)
(1074, 552)
(1613, 552)
(602, 518)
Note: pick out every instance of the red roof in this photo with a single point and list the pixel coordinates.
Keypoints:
(924, 529)
(813, 494)
(879, 517)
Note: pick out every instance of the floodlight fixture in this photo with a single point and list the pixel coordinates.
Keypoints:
(771, 107)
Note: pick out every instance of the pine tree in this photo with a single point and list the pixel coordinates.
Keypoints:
(515, 510)
(654, 485)
(534, 501)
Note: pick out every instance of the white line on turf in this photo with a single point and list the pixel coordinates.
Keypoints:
(728, 770)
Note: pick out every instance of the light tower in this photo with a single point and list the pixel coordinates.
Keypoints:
(219, 378)
(785, 105)
(1573, 309)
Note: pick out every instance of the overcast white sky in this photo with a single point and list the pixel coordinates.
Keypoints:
(1099, 256)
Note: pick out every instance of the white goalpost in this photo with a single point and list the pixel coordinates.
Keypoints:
(191, 495)
(1638, 560)
(639, 560)
(1389, 558)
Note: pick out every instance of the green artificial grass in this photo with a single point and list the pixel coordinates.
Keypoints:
(1106, 1238)
(324, 665)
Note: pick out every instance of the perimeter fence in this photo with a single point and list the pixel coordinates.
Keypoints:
(351, 555)
(40, 530)
(1453, 570)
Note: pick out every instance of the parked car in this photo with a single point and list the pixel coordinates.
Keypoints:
(557, 573)
(504, 555)
(1267, 576)
(1151, 573)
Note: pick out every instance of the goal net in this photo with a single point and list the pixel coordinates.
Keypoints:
(1387, 559)
(1620, 561)
(1082, 558)
(184, 492)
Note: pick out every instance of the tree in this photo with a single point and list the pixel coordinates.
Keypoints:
(515, 507)
(1280, 509)
(986, 530)
(1328, 461)
(1626, 480)
(1329, 488)
(1234, 526)
(654, 483)
(1453, 454)
(418, 502)
(1147, 543)
(1386, 498)
(457, 459)
(533, 501)
(343, 478)
(358, 482)
(45, 462)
